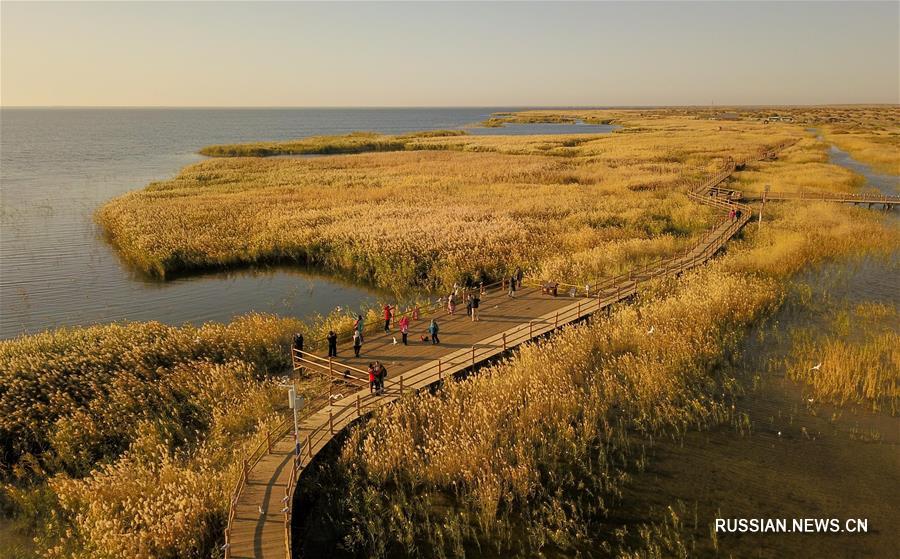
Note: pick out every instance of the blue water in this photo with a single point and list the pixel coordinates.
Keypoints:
(58, 165)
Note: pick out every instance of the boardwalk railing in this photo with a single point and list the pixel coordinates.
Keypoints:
(597, 296)
(856, 198)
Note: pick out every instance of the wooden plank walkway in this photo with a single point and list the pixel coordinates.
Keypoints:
(870, 199)
(260, 518)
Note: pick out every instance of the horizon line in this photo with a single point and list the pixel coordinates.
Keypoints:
(531, 107)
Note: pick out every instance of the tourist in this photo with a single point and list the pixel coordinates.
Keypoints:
(451, 303)
(373, 379)
(332, 344)
(481, 287)
(519, 277)
(737, 215)
(358, 326)
(731, 214)
(512, 286)
(297, 344)
(357, 342)
(381, 374)
(388, 314)
(474, 303)
(468, 304)
(415, 313)
(404, 328)
(433, 331)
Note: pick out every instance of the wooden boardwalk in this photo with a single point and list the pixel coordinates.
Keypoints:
(259, 522)
(870, 199)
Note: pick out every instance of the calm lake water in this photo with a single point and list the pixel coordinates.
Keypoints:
(58, 165)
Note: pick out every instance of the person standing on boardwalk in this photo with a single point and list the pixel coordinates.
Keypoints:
(731, 214)
(404, 328)
(332, 344)
(433, 331)
(415, 313)
(475, 302)
(468, 304)
(388, 313)
(357, 342)
(380, 375)
(519, 277)
(297, 344)
(512, 286)
(451, 303)
(358, 326)
(373, 379)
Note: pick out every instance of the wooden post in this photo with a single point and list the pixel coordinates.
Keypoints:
(504, 341)
(268, 442)
(401, 385)
(473, 356)
(331, 421)
(440, 370)
(556, 320)
(358, 406)
(246, 469)
(308, 446)
(579, 309)
(330, 367)
(530, 329)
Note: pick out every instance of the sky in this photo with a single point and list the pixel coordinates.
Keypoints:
(431, 54)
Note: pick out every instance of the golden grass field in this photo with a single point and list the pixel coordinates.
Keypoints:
(444, 209)
(123, 439)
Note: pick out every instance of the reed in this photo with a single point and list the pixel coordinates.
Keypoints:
(529, 453)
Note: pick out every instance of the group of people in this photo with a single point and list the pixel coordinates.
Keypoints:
(515, 282)
(377, 374)
(472, 299)
(734, 213)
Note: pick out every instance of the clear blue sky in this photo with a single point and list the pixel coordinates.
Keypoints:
(448, 54)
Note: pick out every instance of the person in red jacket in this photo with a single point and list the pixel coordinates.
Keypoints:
(388, 313)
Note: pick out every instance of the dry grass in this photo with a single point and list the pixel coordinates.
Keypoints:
(452, 208)
(136, 428)
(124, 440)
(529, 453)
(856, 360)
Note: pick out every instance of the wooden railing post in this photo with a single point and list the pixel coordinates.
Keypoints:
(504, 341)
(331, 421)
(556, 320)
(358, 406)
(579, 310)
(440, 370)
(268, 442)
(246, 469)
(309, 445)
(530, 329)
(473, 355)
(401, 385)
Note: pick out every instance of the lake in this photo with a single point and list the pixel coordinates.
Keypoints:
(57, 166)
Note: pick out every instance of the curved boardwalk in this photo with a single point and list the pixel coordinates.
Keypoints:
(260, 517)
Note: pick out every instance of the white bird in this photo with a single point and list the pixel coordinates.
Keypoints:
(259, 508)
(817, 367)
(650, 331)
(285, 509)
(779, 433)
(395, 340)
(337, 396)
